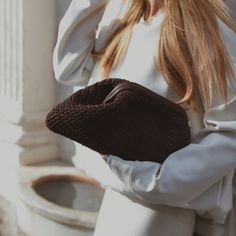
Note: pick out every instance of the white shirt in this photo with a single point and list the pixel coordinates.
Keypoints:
(197, 177)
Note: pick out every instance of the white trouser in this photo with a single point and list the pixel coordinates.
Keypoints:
(120, 216)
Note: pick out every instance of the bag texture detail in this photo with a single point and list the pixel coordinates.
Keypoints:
(123, 118)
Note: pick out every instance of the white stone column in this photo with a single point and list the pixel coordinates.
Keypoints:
(27, 87)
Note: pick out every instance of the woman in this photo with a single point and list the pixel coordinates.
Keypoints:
(186, 51)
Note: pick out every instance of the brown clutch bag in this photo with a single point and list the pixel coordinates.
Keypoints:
(123, 118)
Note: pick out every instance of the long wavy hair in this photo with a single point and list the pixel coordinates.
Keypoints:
(191, 54)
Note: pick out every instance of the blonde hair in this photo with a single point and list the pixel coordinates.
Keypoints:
(191, 54)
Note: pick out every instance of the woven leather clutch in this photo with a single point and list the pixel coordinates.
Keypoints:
(123, 118)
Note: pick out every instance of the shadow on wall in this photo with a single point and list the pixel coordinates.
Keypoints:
(66, 147)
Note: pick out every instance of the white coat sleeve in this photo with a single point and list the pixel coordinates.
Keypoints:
(195, 170)
(72, 60)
